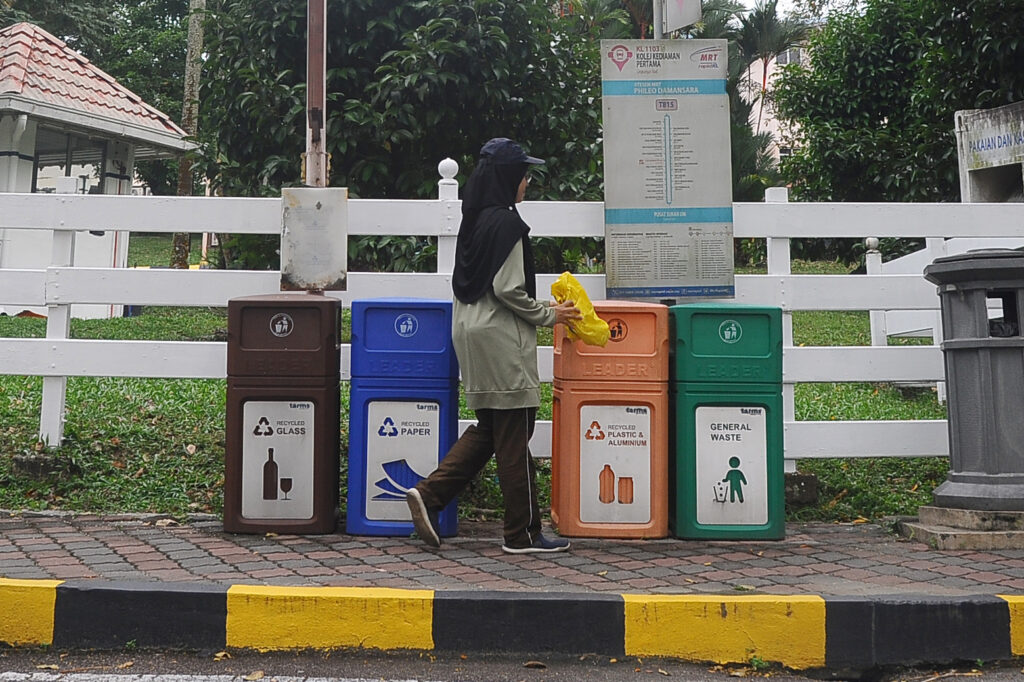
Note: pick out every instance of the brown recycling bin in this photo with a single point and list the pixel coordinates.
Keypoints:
(281, 454)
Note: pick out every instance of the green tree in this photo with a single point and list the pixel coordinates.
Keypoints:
(642, 14)
(875, 105)
(409, 83)
(763, 36)
(146, 54)
(753, 165)
(84, 25)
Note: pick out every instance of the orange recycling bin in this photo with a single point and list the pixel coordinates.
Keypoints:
(610, 446)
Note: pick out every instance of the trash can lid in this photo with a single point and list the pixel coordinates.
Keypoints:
(976, 254)
(986, 265)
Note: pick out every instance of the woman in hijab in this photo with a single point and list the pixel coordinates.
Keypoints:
(494, 329)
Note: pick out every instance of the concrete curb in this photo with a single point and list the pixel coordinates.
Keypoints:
(801, 632)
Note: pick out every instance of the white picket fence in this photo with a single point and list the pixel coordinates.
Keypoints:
(57, 357)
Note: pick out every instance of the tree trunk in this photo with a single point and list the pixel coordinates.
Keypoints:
(189, 121)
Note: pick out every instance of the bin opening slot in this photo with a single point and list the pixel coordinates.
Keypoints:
(1008, 323)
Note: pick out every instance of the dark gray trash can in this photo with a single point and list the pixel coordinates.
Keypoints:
(984, 360)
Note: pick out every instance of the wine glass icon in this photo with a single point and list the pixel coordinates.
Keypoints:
(286, 486)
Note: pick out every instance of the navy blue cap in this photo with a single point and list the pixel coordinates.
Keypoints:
(503, 150)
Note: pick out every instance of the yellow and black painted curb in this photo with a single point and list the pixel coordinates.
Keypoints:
(797, 631)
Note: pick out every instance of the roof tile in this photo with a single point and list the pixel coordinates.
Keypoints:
(39, 66)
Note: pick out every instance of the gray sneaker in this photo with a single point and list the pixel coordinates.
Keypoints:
(541, 545)
(423, 519)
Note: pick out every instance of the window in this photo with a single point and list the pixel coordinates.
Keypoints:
(791, 56)
(61, 154)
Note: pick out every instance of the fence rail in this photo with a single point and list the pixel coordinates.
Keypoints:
(61, 285)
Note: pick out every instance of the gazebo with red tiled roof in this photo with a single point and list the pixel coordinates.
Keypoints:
(42, 77)
(67, 126)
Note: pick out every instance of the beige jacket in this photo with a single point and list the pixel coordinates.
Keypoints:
(495, 340)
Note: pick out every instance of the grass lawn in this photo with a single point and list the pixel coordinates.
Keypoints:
(153, 445)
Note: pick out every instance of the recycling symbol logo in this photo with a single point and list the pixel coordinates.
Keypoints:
(594, 432)
(263, 428)
(388, 428)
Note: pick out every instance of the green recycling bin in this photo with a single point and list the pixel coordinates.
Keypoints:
(726, 478)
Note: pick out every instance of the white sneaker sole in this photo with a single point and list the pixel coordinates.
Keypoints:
(534, 550)
(420, 519)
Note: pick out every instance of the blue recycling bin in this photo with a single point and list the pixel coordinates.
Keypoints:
(403, 409)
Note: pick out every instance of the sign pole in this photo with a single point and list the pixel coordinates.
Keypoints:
(316, 99)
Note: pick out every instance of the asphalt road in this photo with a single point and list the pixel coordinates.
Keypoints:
(366, 666)
(350, 665)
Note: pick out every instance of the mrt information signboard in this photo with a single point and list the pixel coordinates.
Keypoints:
(668, 177)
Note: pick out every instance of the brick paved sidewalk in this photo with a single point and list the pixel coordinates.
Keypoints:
(824, 559)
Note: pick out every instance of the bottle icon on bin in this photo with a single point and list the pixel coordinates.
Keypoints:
(607, 481)
(270, 476)
(607, 487)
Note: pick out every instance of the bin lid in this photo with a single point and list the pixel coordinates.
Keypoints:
(402, 337)
(988, 265)
(726, 344)
(637, 349)
(283, 335)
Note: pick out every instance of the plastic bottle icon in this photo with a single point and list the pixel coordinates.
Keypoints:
(607, 481)
(270, 476)
(626, 490)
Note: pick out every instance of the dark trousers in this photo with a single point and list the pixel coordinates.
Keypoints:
(505, 434)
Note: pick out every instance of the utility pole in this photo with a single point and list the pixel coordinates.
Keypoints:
(315, 161)
(189, 121)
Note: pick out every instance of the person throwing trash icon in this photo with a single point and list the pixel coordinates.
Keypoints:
(735, 479)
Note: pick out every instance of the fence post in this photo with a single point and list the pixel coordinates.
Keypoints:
(936, 247)
(779, 263)
(873, 265)
(448, 192)
(58, 325)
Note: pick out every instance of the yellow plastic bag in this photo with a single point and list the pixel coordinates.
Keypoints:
(591, 330)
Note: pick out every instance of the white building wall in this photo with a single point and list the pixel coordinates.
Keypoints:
(782, 132)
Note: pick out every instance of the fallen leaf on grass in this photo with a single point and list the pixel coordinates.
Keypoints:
(190, 449)
(835, 500)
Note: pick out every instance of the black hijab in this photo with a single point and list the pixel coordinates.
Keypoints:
(490, 228)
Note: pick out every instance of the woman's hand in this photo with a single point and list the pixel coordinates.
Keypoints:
(566, 312)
